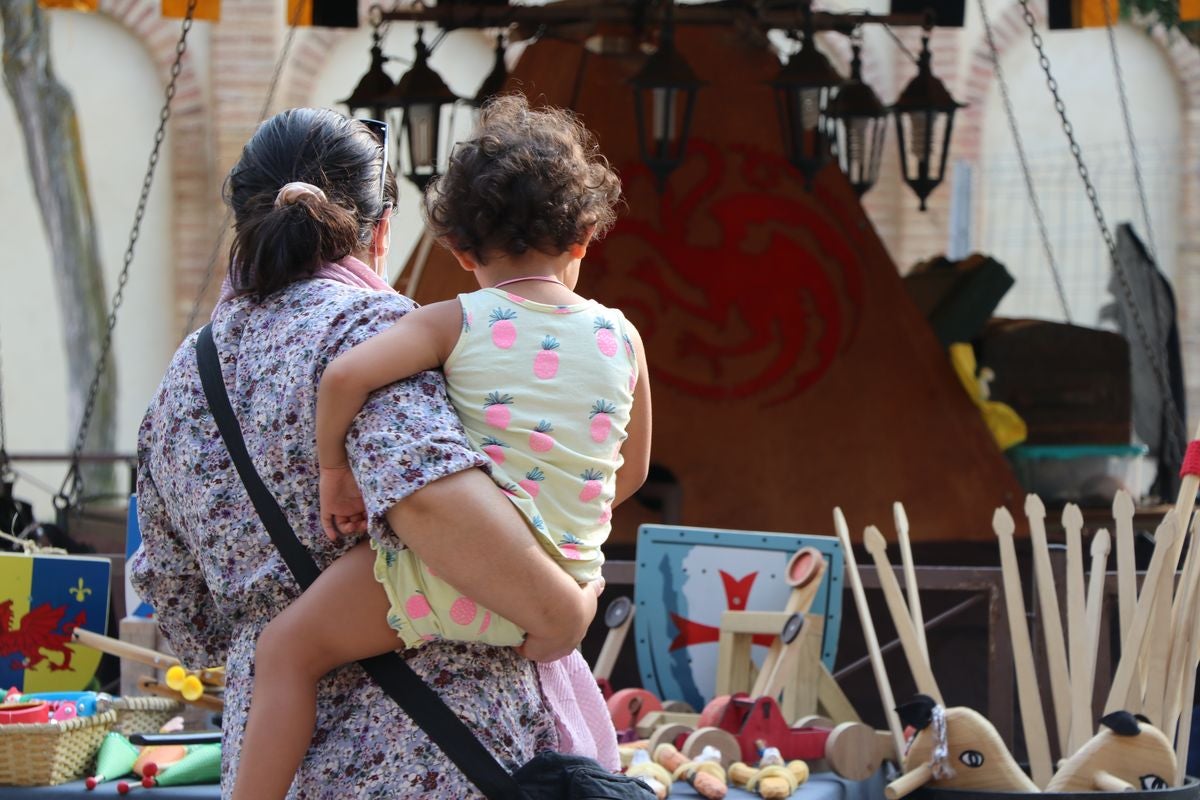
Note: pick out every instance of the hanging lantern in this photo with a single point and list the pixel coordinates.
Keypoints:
(370, 96)
(858, 124)
(802, 90)
(924, 118)
(493, 84)
(664, 90)
(420, 95)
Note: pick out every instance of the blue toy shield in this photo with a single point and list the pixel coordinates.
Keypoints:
(687, 577)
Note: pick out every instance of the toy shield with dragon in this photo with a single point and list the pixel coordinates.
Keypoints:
(43, 598)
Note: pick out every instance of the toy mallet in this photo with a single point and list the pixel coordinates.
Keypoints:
(1056, 652)
(868, 627)
(1027, 689)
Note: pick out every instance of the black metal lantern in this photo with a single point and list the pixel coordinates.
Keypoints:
(924, 118)
(493, 84)
(802, 91)
(370, 96)
(420, 95)
(664, 90)
(858, 124)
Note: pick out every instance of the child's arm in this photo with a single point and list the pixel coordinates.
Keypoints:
(421, 340)
(636, 448)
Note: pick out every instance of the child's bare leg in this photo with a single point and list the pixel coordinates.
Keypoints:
(340, 619)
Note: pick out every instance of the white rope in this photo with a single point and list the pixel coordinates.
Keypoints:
(31, 547)
(940, 760)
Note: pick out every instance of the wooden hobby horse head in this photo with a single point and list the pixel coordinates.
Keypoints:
(1127, 754)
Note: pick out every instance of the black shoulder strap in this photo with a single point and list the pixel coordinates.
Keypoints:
(390, 671)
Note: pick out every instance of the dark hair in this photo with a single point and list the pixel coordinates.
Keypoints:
(527, 179)
(274, 246)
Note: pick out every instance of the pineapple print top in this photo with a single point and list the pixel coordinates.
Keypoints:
(545, 392)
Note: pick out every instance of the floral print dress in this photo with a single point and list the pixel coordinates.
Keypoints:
(215, 580)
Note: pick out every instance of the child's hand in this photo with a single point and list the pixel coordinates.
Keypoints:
(545, 649)
(342, 508)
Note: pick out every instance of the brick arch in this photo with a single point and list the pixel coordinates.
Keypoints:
(187, 136)
(309, 56)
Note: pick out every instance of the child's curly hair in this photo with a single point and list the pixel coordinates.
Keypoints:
(527, 179)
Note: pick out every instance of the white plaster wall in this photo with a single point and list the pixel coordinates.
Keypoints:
(1082, 64)
(117, 93)
(463, 59)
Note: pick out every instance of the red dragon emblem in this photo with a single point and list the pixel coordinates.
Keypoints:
(743, 286)
(41, 629)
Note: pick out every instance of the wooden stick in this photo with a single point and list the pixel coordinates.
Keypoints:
(1123, 512)
(1056, 651)
(868, 626)
(1081, 717)
(911, 591)
(1032, 720)
(1101, 546)
(142, 655)
(921, 671)
(1119, 696)
(1178, 697)
(1159, 685)
(1184, 731)
(620, 614)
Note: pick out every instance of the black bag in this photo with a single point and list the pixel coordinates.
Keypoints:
(548, 776)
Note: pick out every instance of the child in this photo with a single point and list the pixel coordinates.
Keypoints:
(551, 386)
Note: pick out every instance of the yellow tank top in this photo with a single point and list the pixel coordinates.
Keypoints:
(545, 392)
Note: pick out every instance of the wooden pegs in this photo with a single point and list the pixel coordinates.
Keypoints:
(1123, 512)
(922, 673)
(909, 782)
(1056, 652)
(864, 615)
(1081, 718)
(1120, 695)
(1032, 720)
(1101, 546)
(910, 575)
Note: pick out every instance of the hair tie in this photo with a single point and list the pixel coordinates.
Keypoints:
(291, 192)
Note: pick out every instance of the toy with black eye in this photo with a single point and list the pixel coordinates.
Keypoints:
(1127, 753)
(976, 754)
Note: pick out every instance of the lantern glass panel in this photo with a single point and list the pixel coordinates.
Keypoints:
(421, 119)
(925, 139)
(665, 113)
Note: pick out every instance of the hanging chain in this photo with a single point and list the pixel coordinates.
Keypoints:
(1174, 446)
(72, 485)
(900, 44)
(1133, 151)
(1043, 232)
(210, 270)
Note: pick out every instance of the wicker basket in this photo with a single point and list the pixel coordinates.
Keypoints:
(144, 714)
(51, 753)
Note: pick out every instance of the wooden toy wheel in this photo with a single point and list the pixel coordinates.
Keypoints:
(724, 741)
(668, 734)
(852, 751)
(629, 705)
(712, 713)
(815, 721)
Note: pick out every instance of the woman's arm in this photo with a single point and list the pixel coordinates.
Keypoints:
(420, 340)
(636, 448)
(468, 533)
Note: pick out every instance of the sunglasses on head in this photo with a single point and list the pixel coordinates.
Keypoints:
(380, 131)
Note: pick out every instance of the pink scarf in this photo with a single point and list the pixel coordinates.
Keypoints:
(349, 271)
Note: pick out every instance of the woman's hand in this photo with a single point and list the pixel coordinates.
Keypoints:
(546, 648)
(342, 508)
